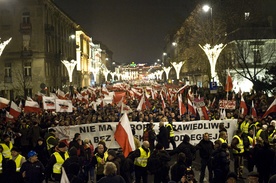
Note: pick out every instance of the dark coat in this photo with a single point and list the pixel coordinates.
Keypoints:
(188, 149)
(162, 137)
(205, 148)
(34, 171)
(112, 178)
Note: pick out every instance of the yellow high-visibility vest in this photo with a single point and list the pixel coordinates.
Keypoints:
(7, 150)
(59, 162)
(17, 161)
(143, 159)
(171, 131)
(1, 160)
(240, 145)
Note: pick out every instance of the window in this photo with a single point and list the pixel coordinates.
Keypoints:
(257, 56)
(8, 70)
(246, 16)
(28, 69)
(26, 17)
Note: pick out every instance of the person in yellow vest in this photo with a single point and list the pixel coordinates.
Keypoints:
(99, 160)
(2, 160)
(238, 150)
(271, 134)
(7, 146)
(171, 130)
(17, 158)
(56, 161)
(140, 157)
(260, 132)
(244, 126)
(51, 141)
(223, 137)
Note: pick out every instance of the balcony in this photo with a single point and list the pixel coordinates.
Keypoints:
(25, 28)
(26, 53)
(7, 79)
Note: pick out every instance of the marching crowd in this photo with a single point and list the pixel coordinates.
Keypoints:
(30, 151)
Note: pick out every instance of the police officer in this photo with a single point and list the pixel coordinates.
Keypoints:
(140, 157)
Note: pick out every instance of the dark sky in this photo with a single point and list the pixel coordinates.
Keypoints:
(134, 30)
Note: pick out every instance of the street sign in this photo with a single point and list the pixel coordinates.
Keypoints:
(213, 87)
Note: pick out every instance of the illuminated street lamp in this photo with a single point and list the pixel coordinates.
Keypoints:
(70, 65)
(212, 51)
(167, 70)
(177, 67)
(3, 45)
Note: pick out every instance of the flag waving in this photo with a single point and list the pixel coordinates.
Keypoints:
(123, 135)
(272, 108)
(229, 83)
(253, 110)
(182, 108)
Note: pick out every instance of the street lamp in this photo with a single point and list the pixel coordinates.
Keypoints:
(212, 51)
(3, 45)
(70, 68)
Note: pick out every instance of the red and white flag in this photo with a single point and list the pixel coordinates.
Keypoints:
(9, 117)
(141, 106)
(272, 108)
(229, 83)
(123, 135)
(31, 106)
(182, 108)
(15, 110)
(191, 108)
(64, 105)
(243, 107)
(181, 90)
(205, 112)
(163, 102)
(49, 103)
(125, 109)
(4, 103)
(253, 110)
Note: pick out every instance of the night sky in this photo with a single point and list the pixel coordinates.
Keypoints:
(134, 30)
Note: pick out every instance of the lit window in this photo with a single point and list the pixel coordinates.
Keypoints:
(27, 69)
(246, 15)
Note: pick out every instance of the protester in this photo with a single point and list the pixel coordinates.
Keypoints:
(9, 173)
(17, 158)
(99, 160)
(32, 170)
(110, 172)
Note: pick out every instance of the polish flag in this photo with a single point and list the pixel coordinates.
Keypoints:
(141, 106)
(15, 110)
(243, 107)
(4, 103)
(191, 108)
(64, 177)
(229, 83)
(125, 109)
(182, 108)
(9, 117)
(253, 110)
(181, 90)
(205, 112)
(272, 108)
(31, 106)
(163, 102)
(123, 135)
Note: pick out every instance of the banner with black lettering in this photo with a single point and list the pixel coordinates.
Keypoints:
(195, 129)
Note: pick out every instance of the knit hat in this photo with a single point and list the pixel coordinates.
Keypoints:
(61, 145)
(112, 153)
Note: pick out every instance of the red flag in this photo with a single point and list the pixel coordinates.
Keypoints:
(243, 107)
(229, 83)
(272, 108)
(182, 108)
(191, 108)
(123, 135)
(15, 110)
(4, 103)
(31, 106)
(253, 110)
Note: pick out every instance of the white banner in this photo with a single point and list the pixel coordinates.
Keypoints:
(64, 105)
(49, 103)
(195, 129)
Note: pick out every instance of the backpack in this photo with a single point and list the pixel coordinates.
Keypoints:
(146, 135)
(154, 163)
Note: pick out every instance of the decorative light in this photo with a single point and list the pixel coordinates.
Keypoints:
(70, 67)
(3, 45)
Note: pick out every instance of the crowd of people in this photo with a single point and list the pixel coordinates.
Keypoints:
(31, 152)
